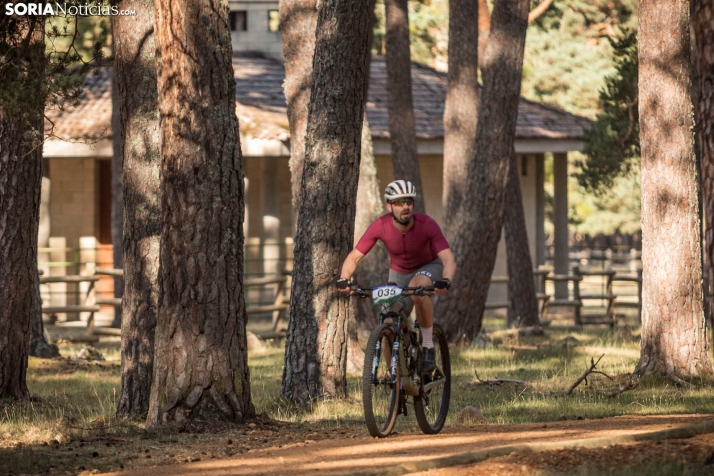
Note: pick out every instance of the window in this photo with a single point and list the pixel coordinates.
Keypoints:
(273, 20)
(238, 20)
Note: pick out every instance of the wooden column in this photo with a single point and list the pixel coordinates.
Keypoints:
(540, 210)
(561, 261)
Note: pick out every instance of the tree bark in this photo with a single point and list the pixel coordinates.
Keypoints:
(20, 187)
(461, 109)
(481, 216)
(703, 25)
(373, 268)
(520, 267)
(315, 350)
(673, 326)
(402, 132)
(135, 75)
(200, 360)
(117, 215)
(39, 347)
(298, 20)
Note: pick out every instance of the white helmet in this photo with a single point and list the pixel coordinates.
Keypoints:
(399, 189)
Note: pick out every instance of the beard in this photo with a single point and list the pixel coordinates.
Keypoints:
(402, 221)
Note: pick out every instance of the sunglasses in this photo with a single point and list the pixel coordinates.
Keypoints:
(403, 201)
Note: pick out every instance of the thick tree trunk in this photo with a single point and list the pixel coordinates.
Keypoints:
(460, 111)
(20, 188)
(117, 215)
(520, 267)
(673, 326)
(20, 181)
(39, 347)
(200, 360)
(481, 216)
(135, 74)
(373, 268)
(402, 132)
(315, 350)
(298, 20)
(703, 25)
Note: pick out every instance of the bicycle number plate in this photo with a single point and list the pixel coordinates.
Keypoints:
(386, 293)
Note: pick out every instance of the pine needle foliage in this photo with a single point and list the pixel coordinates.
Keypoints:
(612, 146)
(29, 84)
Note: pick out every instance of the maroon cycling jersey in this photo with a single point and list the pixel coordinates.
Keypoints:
(410, 251)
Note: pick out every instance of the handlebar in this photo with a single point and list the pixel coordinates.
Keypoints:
(406, 291)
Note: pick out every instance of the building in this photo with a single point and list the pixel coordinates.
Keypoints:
(77, 162)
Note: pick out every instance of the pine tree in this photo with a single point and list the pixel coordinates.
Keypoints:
(612, 146)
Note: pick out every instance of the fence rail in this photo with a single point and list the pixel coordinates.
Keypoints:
(80, 281)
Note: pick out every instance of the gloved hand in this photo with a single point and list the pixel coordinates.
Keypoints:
(442, 284)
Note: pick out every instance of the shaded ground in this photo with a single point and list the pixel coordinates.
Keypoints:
(282, 450)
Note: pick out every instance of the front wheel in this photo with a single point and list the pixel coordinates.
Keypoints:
(380, 389)
(432, 405)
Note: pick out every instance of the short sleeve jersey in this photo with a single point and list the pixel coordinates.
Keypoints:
(410, 251)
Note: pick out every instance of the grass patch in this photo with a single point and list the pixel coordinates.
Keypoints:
(68, 393)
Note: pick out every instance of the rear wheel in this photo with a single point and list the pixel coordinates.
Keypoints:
(432, 406)
(380, 389)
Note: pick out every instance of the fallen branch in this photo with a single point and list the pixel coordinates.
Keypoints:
(629, 386)
(584, 376)
(524, 346)
(681, 382)
(497, 381)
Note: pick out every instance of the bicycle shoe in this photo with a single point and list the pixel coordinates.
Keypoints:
(428, 362)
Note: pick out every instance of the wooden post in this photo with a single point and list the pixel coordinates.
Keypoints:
(576, 295)
(610, 299)
(58, 291)
(561, 258)
(87, 267)
(639, 296)
(540, 211)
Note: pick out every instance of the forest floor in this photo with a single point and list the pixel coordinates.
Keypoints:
(69, 426)
(266, 447)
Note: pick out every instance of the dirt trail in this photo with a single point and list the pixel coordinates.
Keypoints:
(336, 456)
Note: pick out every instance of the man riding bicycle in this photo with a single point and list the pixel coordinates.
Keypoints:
(419, 255)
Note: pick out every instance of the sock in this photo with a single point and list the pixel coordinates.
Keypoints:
(427, 336)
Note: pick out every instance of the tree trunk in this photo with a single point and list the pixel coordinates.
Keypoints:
(20, 187)
(703, 25)
(520, 267)
(315, 350)
(39, 347)
(460, 111)
(673, 326)
(298, 20)
(373, 268)
(402, 133)
(135, 75)
(481, 216)
(117, 215)
(201, 359)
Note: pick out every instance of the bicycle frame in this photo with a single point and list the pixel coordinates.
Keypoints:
(398, 355)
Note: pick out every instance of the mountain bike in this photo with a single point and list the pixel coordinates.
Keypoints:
(391, 376)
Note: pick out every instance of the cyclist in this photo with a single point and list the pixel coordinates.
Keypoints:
(419, 255)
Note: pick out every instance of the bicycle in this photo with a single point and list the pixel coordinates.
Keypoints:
(391, 363)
